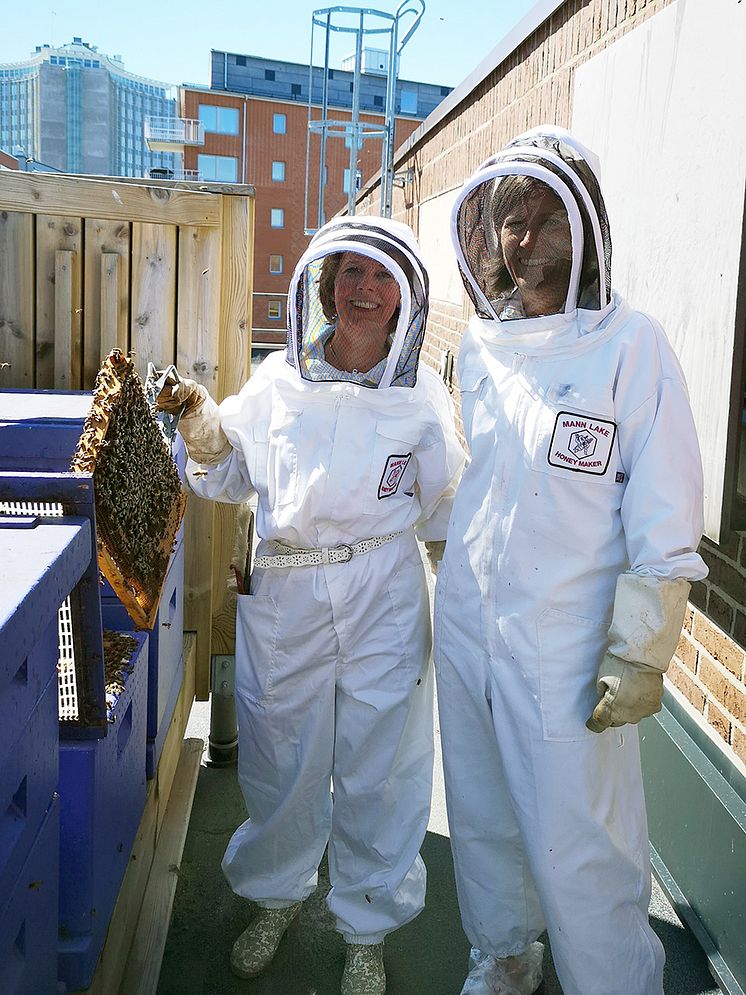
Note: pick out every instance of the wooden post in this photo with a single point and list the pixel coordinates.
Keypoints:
(153, 330)
(104, 238)
(16, 299)
(109, 308)
(66, 343)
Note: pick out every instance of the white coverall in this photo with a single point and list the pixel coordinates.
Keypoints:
(333, 679)
(584, 465)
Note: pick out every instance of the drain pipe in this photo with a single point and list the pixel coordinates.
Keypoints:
(223, 741)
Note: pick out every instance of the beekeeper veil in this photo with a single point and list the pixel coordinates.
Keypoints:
(368, 272)
(530, 230)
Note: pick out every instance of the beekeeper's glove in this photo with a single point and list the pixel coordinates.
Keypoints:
(199, 424)
(645, 628)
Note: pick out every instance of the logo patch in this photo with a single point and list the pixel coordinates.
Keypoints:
(392, 474)
(619, 479)
(581, 443)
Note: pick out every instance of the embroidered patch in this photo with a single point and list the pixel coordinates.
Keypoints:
(619, 479)
(392, 474)
(581, 443)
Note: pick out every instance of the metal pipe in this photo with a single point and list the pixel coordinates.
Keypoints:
(355, 120)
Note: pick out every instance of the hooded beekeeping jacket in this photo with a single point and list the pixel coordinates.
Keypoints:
(332, 659)
(584, 467)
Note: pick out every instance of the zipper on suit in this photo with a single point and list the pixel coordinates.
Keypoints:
(519, 359)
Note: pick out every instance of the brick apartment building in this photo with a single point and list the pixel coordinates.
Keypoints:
(253, 129)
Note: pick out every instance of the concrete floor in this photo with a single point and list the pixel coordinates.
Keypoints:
(427, 957)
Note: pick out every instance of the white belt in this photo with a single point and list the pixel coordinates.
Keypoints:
(289, 556)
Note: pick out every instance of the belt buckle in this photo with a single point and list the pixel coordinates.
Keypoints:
(348, 550)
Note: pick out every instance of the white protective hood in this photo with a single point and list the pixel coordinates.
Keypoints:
(393, 245)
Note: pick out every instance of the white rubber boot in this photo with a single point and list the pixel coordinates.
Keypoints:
(519, 975)
(364, 973)
(256, 946)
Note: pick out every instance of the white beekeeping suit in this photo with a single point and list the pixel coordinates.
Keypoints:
(333, 640)
(561, 595)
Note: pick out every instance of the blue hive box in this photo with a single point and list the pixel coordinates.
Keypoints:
(42, 563)
(28, 917)
(165, 655)
(102, 797)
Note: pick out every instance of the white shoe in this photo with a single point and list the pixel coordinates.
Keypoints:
(364, 973)
(519, 975)
(256, 946)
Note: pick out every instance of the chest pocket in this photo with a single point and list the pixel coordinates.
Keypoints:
(471, 383)
(283, 445)
(576, 435)
(393, 467)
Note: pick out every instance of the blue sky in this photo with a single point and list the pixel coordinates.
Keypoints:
(172, 41)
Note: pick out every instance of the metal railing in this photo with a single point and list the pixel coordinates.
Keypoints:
(176, 131)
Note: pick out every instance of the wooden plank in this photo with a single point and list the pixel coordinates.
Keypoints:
(153, 327)
(198, 356)
(16, 300)
(199, 526)
(50, 193)
(172, 742)
(67, 351)
(52, 235)
(235, 361)
(110, 237)
(110, 337)
(124, 921)
(145, 956)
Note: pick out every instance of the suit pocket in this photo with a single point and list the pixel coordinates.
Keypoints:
(257, 624)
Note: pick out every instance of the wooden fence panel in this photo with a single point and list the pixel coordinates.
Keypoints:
(152, 328)
(67, 351)
(106, 321)
(16, 299)
(53, 235)
(198, 357)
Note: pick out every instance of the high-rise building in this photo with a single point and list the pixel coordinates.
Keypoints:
(251, 126)
(80, 111)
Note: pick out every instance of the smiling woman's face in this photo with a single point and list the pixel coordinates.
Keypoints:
(537, 248)
(366, 294)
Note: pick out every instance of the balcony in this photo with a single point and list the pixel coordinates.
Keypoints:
(172, 134)
(165, 173)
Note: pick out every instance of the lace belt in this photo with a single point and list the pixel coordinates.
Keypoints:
(289, 556)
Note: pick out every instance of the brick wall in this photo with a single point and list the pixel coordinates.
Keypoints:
(535, 85)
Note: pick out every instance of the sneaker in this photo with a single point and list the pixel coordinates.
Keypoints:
(519, 975)
(256, 946)
(364, 973)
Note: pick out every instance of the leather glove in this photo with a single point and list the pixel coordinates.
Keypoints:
(645, 628)
(435, 549)
(199, 424)
(180, 394)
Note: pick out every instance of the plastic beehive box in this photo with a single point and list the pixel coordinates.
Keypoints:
(28, 917)
(165, 655)
(28, 780)
(102, 796)
(42, 563)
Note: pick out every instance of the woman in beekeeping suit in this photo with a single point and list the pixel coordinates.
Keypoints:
(561, 595)
(351, 449)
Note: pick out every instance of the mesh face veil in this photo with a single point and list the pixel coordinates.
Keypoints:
(531, 232)
(357, 305)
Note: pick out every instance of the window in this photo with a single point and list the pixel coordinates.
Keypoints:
(378, 101)
(277, 217)
(408, 102)
(275, 264)
(295, 89)
(218, 168)
(274, 310)
(279, 124)
(221, 120)
(270, 75)
(240, 60)
(444, 91)
(278, 171)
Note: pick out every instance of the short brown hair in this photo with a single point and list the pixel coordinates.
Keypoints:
(327, 276)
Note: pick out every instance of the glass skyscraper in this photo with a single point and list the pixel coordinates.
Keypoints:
(82, 112)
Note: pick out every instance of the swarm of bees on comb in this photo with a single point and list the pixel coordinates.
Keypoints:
(139, 498)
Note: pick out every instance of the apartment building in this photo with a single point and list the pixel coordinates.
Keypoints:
(81, 111)
(253, 124)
